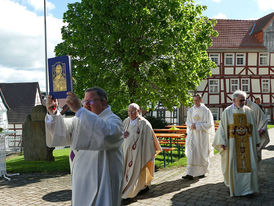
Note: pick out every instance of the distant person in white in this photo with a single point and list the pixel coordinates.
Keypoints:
(261, 122)
(200, 130)
(95, 135)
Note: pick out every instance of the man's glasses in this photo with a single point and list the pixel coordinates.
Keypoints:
(132, 112)
(242, 100)
(88, 102)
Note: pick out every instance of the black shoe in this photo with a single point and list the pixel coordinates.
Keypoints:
(144, 191)
(250, 195)
(127, 201)
(202, 176)
(188, 177)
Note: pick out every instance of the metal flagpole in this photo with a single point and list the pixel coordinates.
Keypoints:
(46, 54)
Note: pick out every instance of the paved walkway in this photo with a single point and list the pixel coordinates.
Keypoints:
(167, 189)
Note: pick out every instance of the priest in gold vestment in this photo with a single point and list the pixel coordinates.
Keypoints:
(140, 147)
(236, 140)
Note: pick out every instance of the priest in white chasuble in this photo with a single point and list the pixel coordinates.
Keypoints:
(236, 140)
(95, 136)
(200, 134)
(261, 122)
(140, 148)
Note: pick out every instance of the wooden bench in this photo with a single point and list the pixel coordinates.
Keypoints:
(166, 151)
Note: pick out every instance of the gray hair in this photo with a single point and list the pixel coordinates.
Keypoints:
(198, 96)
(238, 93)
(100, 92)
(134, 105)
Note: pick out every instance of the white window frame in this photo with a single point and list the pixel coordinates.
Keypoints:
(234, 84)
(213, 88)
(214, 56)
(245, 84)
(263, 59)
(267, 83)
(229, 56)
(240, 56)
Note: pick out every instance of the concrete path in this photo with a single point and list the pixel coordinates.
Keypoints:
(168, 188)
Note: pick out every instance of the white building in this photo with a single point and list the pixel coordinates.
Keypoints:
(3, 111)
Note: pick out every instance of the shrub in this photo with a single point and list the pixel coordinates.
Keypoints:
(156, 122)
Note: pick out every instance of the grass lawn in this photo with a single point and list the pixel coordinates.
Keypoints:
(17, 164)
(60, 165)
(270, 126)
(176, 162)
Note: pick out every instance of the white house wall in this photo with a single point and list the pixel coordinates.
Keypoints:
(3, 115)
(252, 59)
(229, 71)
(202, 85)
(255, 85)
(272, 60)
(252, 70)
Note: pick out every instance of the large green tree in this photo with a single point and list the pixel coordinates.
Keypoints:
(142, 51)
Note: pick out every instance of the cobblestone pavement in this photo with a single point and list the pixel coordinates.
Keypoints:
(168, 188)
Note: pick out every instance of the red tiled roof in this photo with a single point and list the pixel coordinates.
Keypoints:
(235, 34)
(262, 22)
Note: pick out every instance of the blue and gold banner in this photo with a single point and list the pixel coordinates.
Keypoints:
(60, 76)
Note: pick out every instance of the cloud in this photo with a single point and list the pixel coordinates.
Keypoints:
(38, 5)
(217, 1)
(14, 75)
(266, 5)
(22, 45)
(220, 16)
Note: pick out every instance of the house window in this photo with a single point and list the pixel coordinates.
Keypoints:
(245, 85)
(234, 85)
(240, 59)
(229, 59)
(265, 85)
(215, 113)
(213, 86)
(263, 59)
(215, 58)
(161, 114)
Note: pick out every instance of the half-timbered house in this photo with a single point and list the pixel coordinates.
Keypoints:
(244, 56)
(21, 98)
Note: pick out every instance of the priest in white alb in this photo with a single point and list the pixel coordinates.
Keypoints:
(140, 148)
(236, 140)
(261, 122)
(200, 133)
(95, 136)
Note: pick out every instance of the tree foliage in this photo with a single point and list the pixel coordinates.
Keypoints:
(142, 51)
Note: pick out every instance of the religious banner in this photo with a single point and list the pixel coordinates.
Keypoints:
(60, 76)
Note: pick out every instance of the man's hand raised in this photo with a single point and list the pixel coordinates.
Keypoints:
(73, 102)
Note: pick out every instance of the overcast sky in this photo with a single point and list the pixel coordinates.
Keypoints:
(22, 43)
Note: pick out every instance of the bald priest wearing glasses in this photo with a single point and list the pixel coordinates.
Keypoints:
(95, 135)
(236, 139)
(140, 148)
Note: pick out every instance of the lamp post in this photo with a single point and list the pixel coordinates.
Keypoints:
(46, 54)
